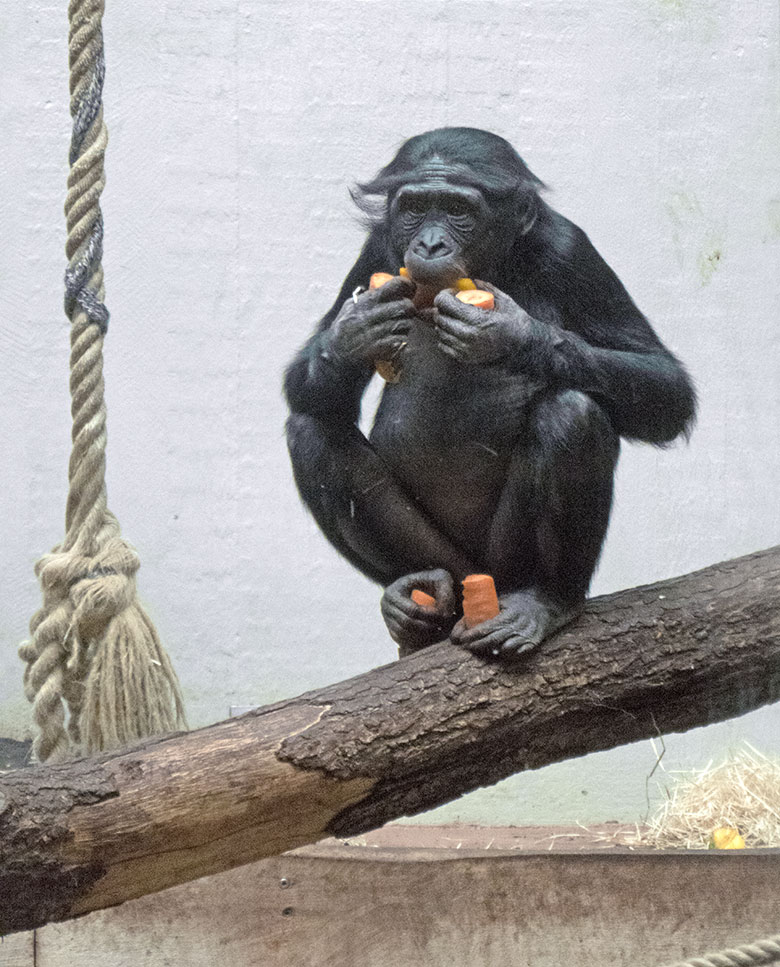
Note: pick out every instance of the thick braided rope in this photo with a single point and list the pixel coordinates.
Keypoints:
(762, 952)
(92, 648)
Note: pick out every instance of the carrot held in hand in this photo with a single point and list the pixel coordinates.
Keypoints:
(466, 291)
(465, 288)
(424, 600)
(478, 298)
(387, 368)
(480, 601)
(464, 285)
(378, 279)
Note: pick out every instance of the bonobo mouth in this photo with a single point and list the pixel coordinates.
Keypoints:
(441, 273)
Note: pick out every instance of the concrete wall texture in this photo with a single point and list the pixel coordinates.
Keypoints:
(235, 129)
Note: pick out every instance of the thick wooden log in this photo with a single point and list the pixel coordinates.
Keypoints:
(405, 737)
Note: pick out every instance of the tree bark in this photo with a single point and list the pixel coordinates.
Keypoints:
(408, 736)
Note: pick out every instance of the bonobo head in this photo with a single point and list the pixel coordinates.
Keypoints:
(454, 200)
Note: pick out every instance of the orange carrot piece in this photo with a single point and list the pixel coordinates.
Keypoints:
(378, 279)
(480, 601)
(478, 298)
(386, 368)
(465, 285)
(423, 599)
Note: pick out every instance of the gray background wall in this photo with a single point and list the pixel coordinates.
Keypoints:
(235, 129)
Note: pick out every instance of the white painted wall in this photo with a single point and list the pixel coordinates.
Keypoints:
(235, 129)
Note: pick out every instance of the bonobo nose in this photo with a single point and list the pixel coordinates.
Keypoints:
(431, 246)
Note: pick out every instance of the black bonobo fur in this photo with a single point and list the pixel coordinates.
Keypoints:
(495, 449)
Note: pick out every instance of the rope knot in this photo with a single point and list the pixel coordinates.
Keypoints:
(105, 590)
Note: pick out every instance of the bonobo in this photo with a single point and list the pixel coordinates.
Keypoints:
(494, 450)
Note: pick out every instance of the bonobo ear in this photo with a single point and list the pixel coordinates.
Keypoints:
(526, 210)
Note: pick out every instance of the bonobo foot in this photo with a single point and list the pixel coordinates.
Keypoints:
(526, 619)
(412, 626)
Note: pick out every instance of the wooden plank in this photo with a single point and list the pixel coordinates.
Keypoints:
(362, 906)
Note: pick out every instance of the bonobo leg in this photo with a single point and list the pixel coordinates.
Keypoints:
(549, 526)
(369, 518)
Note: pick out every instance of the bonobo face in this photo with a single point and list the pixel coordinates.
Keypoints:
(440, 230)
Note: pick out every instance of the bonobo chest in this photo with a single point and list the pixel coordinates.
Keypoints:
(451, 406)
(448, 431)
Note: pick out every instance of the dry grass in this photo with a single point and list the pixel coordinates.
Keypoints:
(743, 793)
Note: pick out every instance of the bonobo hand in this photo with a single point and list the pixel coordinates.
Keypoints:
(481, 336)
(526, 618)
(374, 325)
(410, 625)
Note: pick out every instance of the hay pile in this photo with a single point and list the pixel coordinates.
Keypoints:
(742, 793)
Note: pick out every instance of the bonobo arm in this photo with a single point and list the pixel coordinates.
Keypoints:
(646, 392)
(582, 331)
(328, 376)
(319, 381)
(322, 384)
(608, 349)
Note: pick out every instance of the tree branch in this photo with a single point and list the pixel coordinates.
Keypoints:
(405, 737)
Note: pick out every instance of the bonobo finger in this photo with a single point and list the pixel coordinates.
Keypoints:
(492, 632)
(389, 327)
(401, 624)
(386, 312)
(515, 646)
(483, 647)
(504, 304)
(404, 609)
(387, 336)
(455, 328)
(496, 638)
(510, 649)
(397, 288)
(498, 646)
(406, 630)
(448, 304)
(387, 349)
(456, 348)
(437, 582)
(445, 299)
(456, 353)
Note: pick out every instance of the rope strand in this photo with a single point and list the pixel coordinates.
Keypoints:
(758, 954)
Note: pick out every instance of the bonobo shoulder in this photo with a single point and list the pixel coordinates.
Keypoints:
(561, 237)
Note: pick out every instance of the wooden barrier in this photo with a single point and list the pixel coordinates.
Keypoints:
(381, 904)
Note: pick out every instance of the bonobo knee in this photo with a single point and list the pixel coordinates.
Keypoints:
(574, 421)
